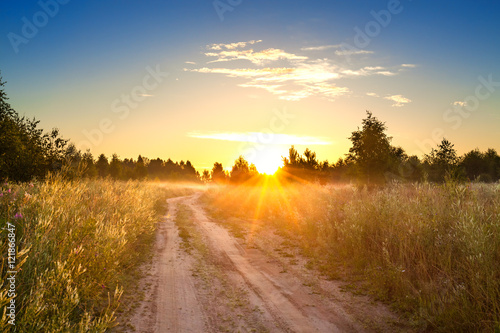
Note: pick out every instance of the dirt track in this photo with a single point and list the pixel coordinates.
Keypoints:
(235, 287)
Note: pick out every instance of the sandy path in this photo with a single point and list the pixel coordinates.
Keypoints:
(285, 299)
(274, 299)
(171, 304)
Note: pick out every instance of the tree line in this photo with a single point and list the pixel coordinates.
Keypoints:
(27, 152)
(373, 160)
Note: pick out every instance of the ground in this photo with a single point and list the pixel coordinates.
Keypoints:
(204, 279)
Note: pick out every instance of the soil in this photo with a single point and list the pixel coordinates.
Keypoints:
(232, 284)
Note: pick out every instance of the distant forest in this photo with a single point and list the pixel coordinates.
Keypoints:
(27, 152)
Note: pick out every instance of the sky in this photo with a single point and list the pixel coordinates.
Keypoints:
(207, 81)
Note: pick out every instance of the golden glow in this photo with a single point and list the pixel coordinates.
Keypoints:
(259, 137)
(267, 160)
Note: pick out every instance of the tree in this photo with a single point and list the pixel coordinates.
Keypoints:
(240, 171)
(205, 176)
(169, 169)
(442, 161)
(252, 170)
(293, 158)
(140, 170)
(473, 164)
(189, 172)
(492, 162)
(89, 169)
(155, 168)
(310, 162)
(115, 167)
(371, 150)
(218, 174)
(25, 150)
(102, 166)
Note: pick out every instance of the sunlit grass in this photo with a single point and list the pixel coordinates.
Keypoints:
(433, 251)
(78, 242)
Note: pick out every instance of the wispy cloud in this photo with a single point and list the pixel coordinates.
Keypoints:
(459, 103)
(289, 76)
(258, 137)
(399, 100)
(352, 52)
(289, 83)
(232, 46)
(257, 58)
(369, 70)
(372, 94)
(409, 65)
(190, 62)
(320, 48)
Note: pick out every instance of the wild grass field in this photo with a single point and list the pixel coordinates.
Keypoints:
(432, 251)
(78, 245)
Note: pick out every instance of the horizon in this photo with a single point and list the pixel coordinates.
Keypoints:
(208, 83)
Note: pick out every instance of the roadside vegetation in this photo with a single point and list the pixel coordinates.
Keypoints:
(78, 244)
(430, 250)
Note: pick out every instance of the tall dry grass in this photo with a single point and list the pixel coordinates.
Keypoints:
(432, 250)
(76, 243)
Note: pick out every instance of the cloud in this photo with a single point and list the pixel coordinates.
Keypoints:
(368, 70)
(291, 84)
(260, 137)
(320, 48)
(399, 100)
(352, 52)
(386, 73)
(190, 62)
(372, 94)
(246, 72)
(232, 46)
(459, 103)
(288, 75)
(409, 65)
(257, 58)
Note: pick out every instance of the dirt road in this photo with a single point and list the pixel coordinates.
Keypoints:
(222, 284)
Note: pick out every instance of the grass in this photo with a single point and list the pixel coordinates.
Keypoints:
(78, 245)
(182, 220)
(432, 251)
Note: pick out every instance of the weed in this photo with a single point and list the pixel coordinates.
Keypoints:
(78, 244)
(431, 250)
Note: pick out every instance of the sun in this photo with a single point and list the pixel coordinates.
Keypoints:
(267, 160)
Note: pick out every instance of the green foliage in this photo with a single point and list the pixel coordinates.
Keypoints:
(115, 167)
(483, 167)
(102, 166)
(306, 167)
(371, 150)
(25, 151)
(442, 163)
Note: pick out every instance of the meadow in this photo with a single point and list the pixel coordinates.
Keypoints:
(78, 246)
(429, 250)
